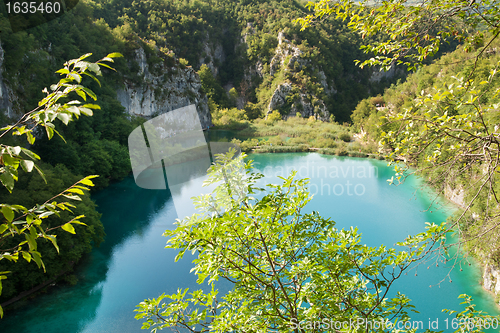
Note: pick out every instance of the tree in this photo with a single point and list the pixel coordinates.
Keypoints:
(288, 269)
(21, 227)
(449, 133)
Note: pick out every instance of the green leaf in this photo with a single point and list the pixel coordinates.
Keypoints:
(27, 165)
(31, 241)
(64, 117)
(50, 132)
(14, 150)
(90, 93)
(107, 66)
(8, 213)
(63, 71)
(95, 68)
(72, 197)
(86, 181)
(74, 109)
(3, 228)
(92, 106)
(40, 172)
(69, 228)
(75, 190)
(85, 56)
(30, 154)
(38, 259)
(93, 77)
(86, 111)
(30, 138)
(52, 238)
(7, 180)
(81, 94)
(26, 256)
(75, 76)
(9, 160)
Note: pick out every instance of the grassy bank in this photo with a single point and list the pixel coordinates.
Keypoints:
(297, 134)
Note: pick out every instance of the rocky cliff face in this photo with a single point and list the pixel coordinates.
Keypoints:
(166, 89)
(213, 55)
(491, 279)
(288, 56)
(491, 272)
(455, 195)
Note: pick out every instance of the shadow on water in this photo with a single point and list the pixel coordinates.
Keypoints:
(71, 308)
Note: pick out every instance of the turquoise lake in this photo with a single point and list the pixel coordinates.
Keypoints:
(132, 264)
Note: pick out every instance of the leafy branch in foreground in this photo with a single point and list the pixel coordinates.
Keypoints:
(28, 223)
(284, 266)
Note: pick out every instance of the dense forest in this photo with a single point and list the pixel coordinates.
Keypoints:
(252, 60)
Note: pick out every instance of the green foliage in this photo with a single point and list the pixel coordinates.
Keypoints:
(273, 117)
(211, 87)
(414, 31)
(230, 118)
(252, 111)
(345, 137)
(297, 134)
(70, 229)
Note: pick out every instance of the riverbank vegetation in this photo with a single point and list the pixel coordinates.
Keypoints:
(444, 121)
(297, 134)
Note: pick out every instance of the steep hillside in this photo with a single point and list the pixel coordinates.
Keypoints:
(455, 103)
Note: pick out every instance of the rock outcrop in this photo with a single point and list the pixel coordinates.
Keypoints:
(286, 57)
(455, 195)
(279, 96)
(379, 74)
(213, 56)
(302, 104)
(286, 54)
(168, 89)
(491, 279)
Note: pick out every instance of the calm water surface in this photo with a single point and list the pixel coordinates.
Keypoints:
(132, 264)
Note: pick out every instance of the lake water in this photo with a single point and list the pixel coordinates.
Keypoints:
(132, 264)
